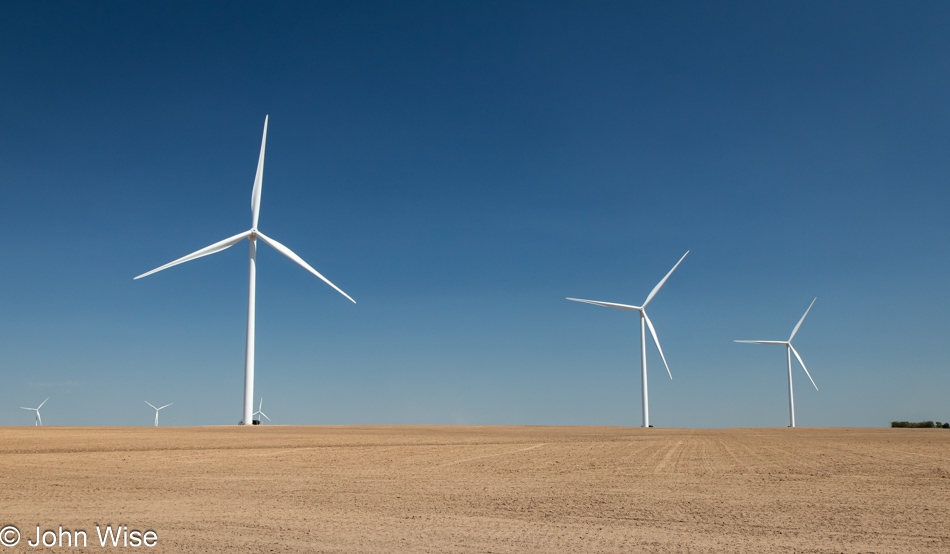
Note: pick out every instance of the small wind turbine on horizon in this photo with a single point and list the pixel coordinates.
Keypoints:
(157, 409)
(252, 235)
(644, 319)
(789, 350)
(259, 412)
(38, 420)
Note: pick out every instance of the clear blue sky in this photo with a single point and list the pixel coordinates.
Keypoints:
(459, 169)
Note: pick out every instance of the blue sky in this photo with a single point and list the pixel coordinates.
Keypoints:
(459, 169)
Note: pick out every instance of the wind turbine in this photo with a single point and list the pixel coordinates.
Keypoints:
(38, 420)
(644, 319)
(252, 235)
(157, 409)
(789, 350)
(261, 407)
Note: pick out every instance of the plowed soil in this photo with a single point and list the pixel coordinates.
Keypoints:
(483, 489)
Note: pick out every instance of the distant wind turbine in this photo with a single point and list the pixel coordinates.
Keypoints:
(38, 420)
(157, 409)
(789, 350)
(261, 407)
(644, 319)
(252, 235)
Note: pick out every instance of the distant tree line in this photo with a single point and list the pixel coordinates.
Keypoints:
(920, 424)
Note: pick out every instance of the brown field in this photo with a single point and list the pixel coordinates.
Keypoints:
(484, 489)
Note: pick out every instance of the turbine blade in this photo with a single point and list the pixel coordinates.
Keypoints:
(607, 304)
(216, 247)
(22, 408)
(803, 366)
(763, 341)
(656, 289)
(165, 406)
(265, 416)
(150, 404)
(287, 252)
(38, 418)
(261, 405)
(657, 341)
(795, 330)
(258, 180)
(41, 404)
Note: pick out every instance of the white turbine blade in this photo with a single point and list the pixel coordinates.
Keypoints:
(803, 366)
(287, 252)
(795, 330)
(607, 304)
(165, 406)
(763, 341)
(38, 418)
(149, 403)
(41, 404)
(258, 180)
(261, 405)
(216, 247)
(22, 408)
(656, 289)
(656, 340)
(265, 416)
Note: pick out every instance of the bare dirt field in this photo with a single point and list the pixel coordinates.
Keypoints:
(483, 489)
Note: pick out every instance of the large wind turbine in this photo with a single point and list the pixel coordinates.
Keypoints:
(789, 350)
(644, 319)
(157, 409)
(259, 410)
(252, 235)
(38, 420)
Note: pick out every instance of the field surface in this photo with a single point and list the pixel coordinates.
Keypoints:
(483, 489)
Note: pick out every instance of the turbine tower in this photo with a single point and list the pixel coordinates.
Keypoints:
(252, 235)
(156, 410)
(38, 420)
(789, 350)
(644, 319)
(261, 407)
